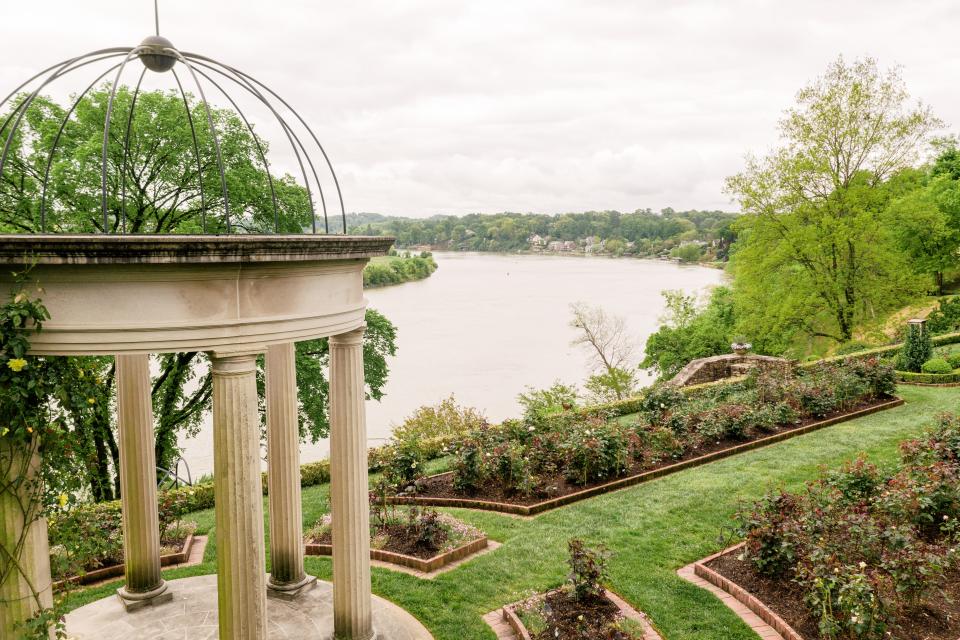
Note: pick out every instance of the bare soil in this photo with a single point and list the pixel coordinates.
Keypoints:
(569, 619)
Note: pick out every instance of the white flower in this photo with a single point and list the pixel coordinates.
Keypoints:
(854, 619)
(531, 428)
(863, 565)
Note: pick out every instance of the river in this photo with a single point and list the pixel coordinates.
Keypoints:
(484, 326)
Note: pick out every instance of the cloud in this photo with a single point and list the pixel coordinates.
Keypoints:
(431, 106)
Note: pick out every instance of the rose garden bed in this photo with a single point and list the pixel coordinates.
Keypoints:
(526, 467)
(860, 553)
(174, 549)
(438, 490)
(415, 538)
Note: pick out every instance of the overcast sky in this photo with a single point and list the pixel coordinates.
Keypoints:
(548, 106)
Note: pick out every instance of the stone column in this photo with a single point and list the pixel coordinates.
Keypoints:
(25, 585)
(287, 576)
(138, 485)
(348, 489)
(241, 581)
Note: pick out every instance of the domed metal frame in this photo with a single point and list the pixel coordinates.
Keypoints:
(159, 55)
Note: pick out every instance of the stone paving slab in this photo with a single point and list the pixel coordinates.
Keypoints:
(192, 615)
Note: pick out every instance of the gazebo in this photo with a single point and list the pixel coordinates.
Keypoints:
(235, 297)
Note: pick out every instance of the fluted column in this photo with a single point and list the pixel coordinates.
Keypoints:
(138, 485)
(287, 576)
(25, 586)
(241, 582)
(348, 489)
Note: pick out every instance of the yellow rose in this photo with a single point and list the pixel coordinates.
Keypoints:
(63, 499)
(16, 364)
(91, 401)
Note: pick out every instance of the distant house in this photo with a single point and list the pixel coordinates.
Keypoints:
(536, 240)
(556, 245)
(569, 245)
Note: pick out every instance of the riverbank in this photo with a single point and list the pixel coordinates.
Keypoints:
(705, 261)
(397, 269)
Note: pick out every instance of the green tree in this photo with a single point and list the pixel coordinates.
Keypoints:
(813, 255)
(690, 331)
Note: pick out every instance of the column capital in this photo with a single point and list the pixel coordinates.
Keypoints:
(233, 362)
(350, 338)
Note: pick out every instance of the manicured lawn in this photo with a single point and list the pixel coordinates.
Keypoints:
(653, 529)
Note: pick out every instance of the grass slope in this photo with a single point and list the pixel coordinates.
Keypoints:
(653, 528)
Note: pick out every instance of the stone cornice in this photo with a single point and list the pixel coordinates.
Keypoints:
(178, 249)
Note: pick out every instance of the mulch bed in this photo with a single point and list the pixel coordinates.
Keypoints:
(785, 599)
(402, 549)
(438, 490)
(400, 539)
(570, 619)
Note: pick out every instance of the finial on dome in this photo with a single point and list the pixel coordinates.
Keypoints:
(154, 57)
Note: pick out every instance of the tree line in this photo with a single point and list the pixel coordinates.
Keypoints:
(642, 232)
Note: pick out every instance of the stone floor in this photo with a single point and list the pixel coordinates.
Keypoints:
(192, 615)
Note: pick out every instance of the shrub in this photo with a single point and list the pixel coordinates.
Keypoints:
(954, 360)
(405, 465)
(588, 569)
(770, 532)
(916, 349)
(444, 420)
(540, 404)
(469, 468)
(595, 451)
(852, 347)
(662, 443)
(659, 402)
(512, 468)
(936, 365)
(817, 401)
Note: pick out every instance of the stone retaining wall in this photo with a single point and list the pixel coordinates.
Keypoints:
(728, 365)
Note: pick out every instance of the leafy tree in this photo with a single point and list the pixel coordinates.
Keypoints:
(689, 252)
(605, 337)
(690, 331)
(813, 256)
(926, 220)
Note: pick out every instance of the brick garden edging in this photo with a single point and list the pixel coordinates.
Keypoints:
(115, 570)
(426, 566)
(513, 620)
(540, 507)
(742, 596)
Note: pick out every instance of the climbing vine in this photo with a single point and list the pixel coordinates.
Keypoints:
(31, 429)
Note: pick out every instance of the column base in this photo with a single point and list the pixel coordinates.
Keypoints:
(134, 601)
(290, 590)
(374, 635)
